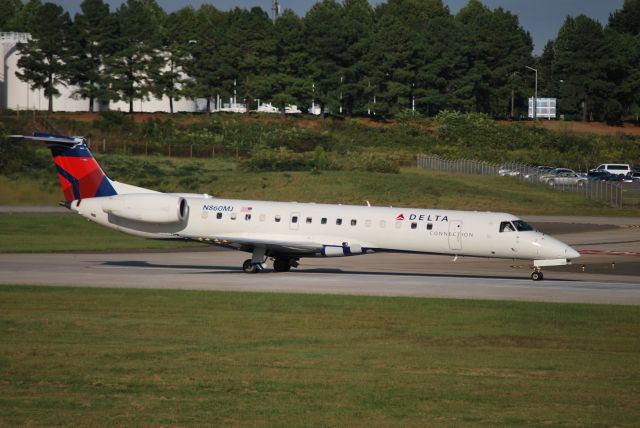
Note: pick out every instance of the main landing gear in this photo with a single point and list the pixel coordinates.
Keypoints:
(256, 263)
(279, 265)
(537, 275)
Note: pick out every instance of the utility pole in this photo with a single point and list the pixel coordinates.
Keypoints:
(275, 10)
(535, 96)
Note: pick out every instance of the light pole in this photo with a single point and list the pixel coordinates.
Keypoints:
(535, 96)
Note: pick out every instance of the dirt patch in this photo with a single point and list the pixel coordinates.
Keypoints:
(597, 128)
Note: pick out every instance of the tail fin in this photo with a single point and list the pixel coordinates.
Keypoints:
(79, 173)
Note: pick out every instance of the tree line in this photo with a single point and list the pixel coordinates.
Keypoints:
(346, 56)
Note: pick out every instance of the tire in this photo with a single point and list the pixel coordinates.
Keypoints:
(537, 276)
(249, 267)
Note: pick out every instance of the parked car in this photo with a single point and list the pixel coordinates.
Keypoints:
(566, 178)
(620, 178)
(544, 178)
(538, 171)
(635, 176)
(506, 171)
(595, 175)
(615, 168)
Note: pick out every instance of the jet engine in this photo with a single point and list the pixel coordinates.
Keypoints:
(147, 208)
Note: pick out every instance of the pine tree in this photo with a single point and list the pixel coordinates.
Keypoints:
(580, 50)
(135, 59)
(42, 58)
(90, 44)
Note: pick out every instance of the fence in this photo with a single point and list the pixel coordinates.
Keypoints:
(616, 194)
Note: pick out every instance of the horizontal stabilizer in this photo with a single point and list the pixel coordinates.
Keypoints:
(52, 138)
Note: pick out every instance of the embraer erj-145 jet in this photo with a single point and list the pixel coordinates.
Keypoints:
(289, 231)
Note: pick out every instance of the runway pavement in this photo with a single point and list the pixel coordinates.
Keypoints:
(610, 273)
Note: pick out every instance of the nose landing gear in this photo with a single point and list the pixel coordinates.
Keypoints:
(537, 275)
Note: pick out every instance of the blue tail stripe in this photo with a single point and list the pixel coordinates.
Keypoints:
(79, 151)
(75, 184)
(106, 189)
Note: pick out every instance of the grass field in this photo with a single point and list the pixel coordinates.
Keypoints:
(33, 233)
(411, 188)
(105, 357)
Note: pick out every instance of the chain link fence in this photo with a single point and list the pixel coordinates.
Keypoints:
(616, 194)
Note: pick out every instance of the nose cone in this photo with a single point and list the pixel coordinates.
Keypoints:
(571, 253)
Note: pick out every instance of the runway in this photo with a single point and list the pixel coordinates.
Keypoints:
(375, 275)
(608, 273)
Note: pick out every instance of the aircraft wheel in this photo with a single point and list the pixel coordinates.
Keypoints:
(249, 267)
(537, 276)
(281, 265)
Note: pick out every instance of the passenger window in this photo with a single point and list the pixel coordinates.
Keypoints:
(262, 217)
(353, 222)
(414, 225)
(367, 223)
(233, 216)
(338, 221)
(219, 216)
(294, 219)
(383, 224)
(323, 220)
(247, 217)
(309, 220)
(506, 226)
(277, 219)
(429, 226)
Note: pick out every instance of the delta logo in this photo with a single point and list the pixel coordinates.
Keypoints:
(422, 217)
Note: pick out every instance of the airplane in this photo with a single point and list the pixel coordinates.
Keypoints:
(286, 232)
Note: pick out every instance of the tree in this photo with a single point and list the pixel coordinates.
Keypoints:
(499, 46)
(624, 56)
(135, 59)
(8, 10)
(176, 32)
(24, 17)
(91, 43)
(208, 64)
(324, 48)
(627, 19)
(357, 23)
(42, 58)
(252, 47)
(289, 83)
(580, 49)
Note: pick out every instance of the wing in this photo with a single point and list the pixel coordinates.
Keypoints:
(283, 245)
(273, 245)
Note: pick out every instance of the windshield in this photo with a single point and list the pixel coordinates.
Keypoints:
(522, 226)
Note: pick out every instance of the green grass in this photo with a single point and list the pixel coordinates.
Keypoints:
(412, 187)
(69, 232)
(105, 357)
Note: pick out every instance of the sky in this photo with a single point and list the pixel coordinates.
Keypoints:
(541, 18)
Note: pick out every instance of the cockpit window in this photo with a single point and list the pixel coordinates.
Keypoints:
(506, 226)
(522, 226)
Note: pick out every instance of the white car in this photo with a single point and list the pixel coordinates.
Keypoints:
(615, 168)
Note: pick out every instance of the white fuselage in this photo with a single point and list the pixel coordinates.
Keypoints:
(309, 230)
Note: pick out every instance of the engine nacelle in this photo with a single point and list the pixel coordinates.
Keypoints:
(147, 207)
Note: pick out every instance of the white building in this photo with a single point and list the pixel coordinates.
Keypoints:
(17, 95)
